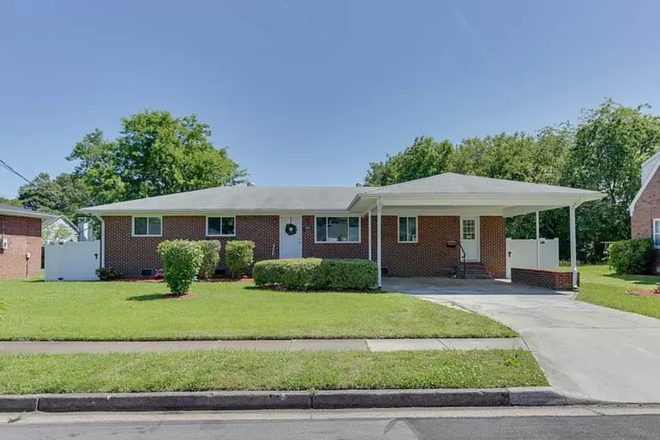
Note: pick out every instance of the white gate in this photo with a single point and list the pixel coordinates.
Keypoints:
(72, 261)
(522, 254)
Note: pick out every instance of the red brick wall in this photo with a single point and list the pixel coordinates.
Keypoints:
(646, 209)
(493, 245)
(132, 254)
(24, 236)
(548, 279)
(428, 257)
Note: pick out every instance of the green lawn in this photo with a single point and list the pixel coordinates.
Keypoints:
(599, 285)
(248, 370)
(37, 310)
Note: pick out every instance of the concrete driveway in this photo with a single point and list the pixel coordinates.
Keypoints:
(586, 350)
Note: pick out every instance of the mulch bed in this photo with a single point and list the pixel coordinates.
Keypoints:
(210, 280)
(644, 293)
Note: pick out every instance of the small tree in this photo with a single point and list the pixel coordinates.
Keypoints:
(239, 255)
(182, 259)
(211, 257)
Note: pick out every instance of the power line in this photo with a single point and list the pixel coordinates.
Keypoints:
(11, 170)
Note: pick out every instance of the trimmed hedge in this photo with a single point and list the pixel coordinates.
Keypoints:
(632, 256)
(317, 274)
(239, 255)
(211, 259)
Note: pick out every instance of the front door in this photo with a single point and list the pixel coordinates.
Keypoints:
(290, 237)
(470, 238)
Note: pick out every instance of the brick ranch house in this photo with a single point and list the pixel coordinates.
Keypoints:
(20, 242)
(415, 228)
(645, 207)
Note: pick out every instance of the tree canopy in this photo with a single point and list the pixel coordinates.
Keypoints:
(63, 195)
(604, 152)
(154, 154)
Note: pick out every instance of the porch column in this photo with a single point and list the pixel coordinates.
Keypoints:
(369, 214)
(379, 250)
(538, 245)
(573, 246)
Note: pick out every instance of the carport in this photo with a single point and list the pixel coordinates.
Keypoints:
(451, 194)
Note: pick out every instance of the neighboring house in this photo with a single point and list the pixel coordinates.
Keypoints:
(645, 207)
(409, 229)
(20, 242)
(58, 228)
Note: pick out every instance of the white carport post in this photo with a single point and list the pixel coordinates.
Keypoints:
(369, 214)
(379, 251)
(573, 245)
(538, 245)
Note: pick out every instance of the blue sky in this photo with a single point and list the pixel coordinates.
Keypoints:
(308, 92)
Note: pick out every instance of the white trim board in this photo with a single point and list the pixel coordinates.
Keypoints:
(631, 208)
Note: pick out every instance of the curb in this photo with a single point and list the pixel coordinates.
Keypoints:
(246, 400)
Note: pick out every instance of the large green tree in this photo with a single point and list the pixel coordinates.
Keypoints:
(62, 195)
(155, 154)
(604, 152)
(611, 143)
(424, 158)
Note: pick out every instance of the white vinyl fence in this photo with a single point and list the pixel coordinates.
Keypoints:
(72, 261)
(522, 254)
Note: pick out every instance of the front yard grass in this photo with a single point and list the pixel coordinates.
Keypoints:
(37, 310)
(249, 370)
(599, 285)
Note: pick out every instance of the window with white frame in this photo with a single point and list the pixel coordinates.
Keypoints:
(337, 229)
(656, 232)
(221, 226)
(408, 229)
(147, 226)
(469, 229)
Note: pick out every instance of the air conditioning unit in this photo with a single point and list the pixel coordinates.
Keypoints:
(4, 244)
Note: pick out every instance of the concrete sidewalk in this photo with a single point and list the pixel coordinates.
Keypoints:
(372, 345)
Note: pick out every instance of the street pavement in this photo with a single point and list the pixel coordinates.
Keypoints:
(422, 424)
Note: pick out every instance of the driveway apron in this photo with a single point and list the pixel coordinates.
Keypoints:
(584, 349)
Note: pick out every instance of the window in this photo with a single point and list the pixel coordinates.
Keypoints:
(148, 226)
(337, 229)
(221, 226)
(469, 229)
(656, 232)
(408, 229)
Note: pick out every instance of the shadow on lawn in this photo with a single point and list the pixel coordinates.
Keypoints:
(636, 279)
(155, 296)
(275, 289)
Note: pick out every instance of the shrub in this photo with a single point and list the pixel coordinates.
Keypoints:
(182, 259)
(108, 273)
(631, 256)
(349, 274)
(295, 274)
(317, 274)
(211, 257)
(239, 255)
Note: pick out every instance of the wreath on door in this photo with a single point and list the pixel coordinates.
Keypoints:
(290, 229)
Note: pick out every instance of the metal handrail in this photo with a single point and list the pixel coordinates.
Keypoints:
(464, 258)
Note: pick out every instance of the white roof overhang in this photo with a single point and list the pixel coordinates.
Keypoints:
(508, 205)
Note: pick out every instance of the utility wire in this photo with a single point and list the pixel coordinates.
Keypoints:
(11, 170)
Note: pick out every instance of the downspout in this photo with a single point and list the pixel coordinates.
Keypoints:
(102, 245)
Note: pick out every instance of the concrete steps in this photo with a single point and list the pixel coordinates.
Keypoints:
(473, 271)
